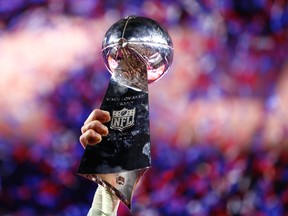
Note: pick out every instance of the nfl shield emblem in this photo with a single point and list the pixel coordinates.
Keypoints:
(122, 119)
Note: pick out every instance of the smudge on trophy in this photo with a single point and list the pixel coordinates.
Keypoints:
(137, 51)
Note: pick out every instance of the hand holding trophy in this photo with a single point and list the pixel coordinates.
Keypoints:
(137, 51)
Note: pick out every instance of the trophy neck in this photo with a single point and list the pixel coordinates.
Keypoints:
(131, 70)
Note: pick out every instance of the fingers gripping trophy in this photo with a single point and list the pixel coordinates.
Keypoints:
(137, 51)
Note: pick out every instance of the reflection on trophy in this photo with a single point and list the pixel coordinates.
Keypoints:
(137, 51)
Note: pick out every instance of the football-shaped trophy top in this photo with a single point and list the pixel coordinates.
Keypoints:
(137, 50)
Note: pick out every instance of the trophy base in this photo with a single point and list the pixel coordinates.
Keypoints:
(120, 184)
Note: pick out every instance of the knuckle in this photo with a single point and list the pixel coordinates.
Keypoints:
(97, 139)
(83, 129)
(96, 123)
(82, 140)
(89, 133)
(96, 113)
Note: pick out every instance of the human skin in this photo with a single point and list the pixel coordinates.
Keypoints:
(92, 131)
(94, 128)
(104, 203)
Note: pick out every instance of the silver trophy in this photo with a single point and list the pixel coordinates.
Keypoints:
(137, 51)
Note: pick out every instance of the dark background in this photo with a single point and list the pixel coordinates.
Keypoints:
(219, 117)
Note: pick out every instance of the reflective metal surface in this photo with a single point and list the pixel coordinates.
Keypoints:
(136, 49)
(120, 184)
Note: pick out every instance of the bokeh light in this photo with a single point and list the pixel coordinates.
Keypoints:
(219, 117)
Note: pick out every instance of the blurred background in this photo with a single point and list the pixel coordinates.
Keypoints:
(219, 118)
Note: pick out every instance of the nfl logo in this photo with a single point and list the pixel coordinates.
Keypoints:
(120, 180)
(122, 119)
